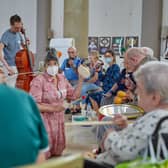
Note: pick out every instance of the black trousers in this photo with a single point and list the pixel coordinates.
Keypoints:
(88, 163)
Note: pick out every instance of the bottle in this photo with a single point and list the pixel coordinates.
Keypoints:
(89, 111)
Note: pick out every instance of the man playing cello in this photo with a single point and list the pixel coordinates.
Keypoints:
(10, 43)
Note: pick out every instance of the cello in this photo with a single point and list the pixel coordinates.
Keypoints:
(24, 62)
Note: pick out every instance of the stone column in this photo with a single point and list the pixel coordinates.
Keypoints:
(76, 24)
(151, 25)
(57, 18)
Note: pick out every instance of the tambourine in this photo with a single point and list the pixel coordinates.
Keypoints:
(130, 111)
(84, 71)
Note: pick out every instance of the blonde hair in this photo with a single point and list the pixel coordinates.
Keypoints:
(94, 53)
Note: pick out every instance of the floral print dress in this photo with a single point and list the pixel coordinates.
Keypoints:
(45, 91)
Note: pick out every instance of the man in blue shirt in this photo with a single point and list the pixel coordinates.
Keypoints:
(70, 66)
(10, 43)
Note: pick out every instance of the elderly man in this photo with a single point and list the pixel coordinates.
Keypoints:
(70, 65)
(149, 54)
(130, 142)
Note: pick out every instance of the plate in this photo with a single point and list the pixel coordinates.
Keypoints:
(130, 111)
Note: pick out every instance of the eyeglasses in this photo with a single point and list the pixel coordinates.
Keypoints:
(70, 52)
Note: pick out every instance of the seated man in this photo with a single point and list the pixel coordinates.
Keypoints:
(70, 65)
(132, 140)
(23, 136)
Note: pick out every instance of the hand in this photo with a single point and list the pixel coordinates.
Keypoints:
(89, 155)
(98, 67)
(81, 79)
(120, 121)
(11, 71)
(60, 108)
(56, 108)
(130, 95)
(129, 84)
(28, 41)
(108, 95)
(2, 77)
(71, 63)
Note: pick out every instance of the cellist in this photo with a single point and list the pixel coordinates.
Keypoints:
(10, 43)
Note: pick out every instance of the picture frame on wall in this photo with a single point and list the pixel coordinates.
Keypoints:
(118, 45)
(131, 41)
(93, 43)
(104, 44)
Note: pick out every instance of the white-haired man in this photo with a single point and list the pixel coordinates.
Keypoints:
(149, 54)
(70, 65)
(152, 92)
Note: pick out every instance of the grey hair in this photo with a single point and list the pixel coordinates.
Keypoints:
(148, 51)
(74, 48)
(149, 55)
(154, 77)
(135, 51)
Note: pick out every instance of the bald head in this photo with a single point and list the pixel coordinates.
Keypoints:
(72, 52)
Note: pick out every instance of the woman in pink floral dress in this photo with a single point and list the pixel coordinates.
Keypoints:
(50, 90)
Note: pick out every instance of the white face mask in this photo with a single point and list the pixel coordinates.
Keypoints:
(52, 70)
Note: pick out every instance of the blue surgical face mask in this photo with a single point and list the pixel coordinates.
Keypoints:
(108, 60)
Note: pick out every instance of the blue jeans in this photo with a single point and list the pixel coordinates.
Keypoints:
(88, 87)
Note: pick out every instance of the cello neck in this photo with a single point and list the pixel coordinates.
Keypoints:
(27, 48)
(25, 38)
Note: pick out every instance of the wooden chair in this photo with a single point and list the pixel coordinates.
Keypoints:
(70, 161)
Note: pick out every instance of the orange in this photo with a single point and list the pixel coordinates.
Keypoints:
(117, 100)
(121, 94)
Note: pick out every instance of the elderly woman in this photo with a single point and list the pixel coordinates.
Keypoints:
(152, 93)
(108, 79)
(95, 66)
(92, 83)
(50, 90)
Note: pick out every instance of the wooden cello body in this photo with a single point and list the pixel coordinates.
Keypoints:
(24, 63)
